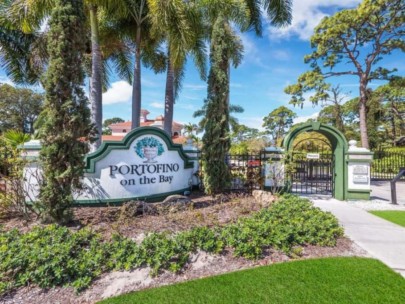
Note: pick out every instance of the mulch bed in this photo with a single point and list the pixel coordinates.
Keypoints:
(201, 211)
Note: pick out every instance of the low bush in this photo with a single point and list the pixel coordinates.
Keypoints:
(289, 222)
(56, 256)
(50, 256)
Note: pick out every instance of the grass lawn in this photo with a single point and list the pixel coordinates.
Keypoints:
(397, 217)
(330, 280)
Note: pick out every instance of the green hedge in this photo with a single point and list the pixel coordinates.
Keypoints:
(56, 256)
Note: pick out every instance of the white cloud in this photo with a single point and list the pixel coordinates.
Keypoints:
(300, 119)
(281, 55)
(307, 15)
(251, 54)
(249, 47)
(252, 122)
(195, 87)
(186, 106)
(119, 92)
(157, 105)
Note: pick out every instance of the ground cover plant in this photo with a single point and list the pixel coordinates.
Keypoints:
(330, 280)
(397, 217)
(57, 256)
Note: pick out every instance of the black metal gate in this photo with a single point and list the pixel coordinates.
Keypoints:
(312, 173)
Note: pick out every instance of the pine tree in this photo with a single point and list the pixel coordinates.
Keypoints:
(65, 121)
(225, 47)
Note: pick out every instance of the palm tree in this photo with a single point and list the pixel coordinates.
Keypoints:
(181, 25)
(30, 15)
(96, 89)
(189, 129)
(21, 54)
(233, 121)
(16, 138)
(226, 49)
(135, 14)
(134, 21)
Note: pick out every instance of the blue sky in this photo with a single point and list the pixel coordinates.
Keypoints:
(270, 64)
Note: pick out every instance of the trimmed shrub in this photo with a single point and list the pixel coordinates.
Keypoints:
(56, 256)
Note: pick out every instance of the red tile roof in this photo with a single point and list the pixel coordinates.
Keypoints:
(175, 139)
(128, 124)
(111, 138)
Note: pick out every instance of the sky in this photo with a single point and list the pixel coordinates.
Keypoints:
(270, 63)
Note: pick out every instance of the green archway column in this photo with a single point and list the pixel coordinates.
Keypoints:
(339, 147)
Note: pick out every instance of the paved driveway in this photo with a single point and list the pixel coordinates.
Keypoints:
(381, 190)
(380, 238)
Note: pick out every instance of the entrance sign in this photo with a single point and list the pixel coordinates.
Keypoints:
(360, 179)
(363, 169)
(313, 155)
(145, 164)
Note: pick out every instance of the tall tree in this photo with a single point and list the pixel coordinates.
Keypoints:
(333, 113)
(135, 22)
(19, 108)
(22, 55)
(278, 122)
(180, 23)
(361, 37)
(225, 48)
(29, 16)
(233, 121)
(136, 11)
(66, 125)
(96, 86)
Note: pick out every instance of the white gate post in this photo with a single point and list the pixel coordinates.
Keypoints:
(194, 155)
(273, 169)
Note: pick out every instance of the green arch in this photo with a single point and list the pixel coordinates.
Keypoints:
(339, 148)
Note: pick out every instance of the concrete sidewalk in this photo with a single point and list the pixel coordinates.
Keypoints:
(380, 238)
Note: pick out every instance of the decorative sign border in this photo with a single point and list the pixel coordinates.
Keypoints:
(107, 146)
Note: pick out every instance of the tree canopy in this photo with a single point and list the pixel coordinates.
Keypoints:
(352, 42)
(278, 121)
(19, 108)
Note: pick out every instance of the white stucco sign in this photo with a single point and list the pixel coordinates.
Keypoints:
(144, 165)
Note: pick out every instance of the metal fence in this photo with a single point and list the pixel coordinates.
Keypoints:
(386, 164)
(245, 169)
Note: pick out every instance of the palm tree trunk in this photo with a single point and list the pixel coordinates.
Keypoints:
(136, 86)
(229, 84)
(169, 97)
(363, 114)
(96, 89)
